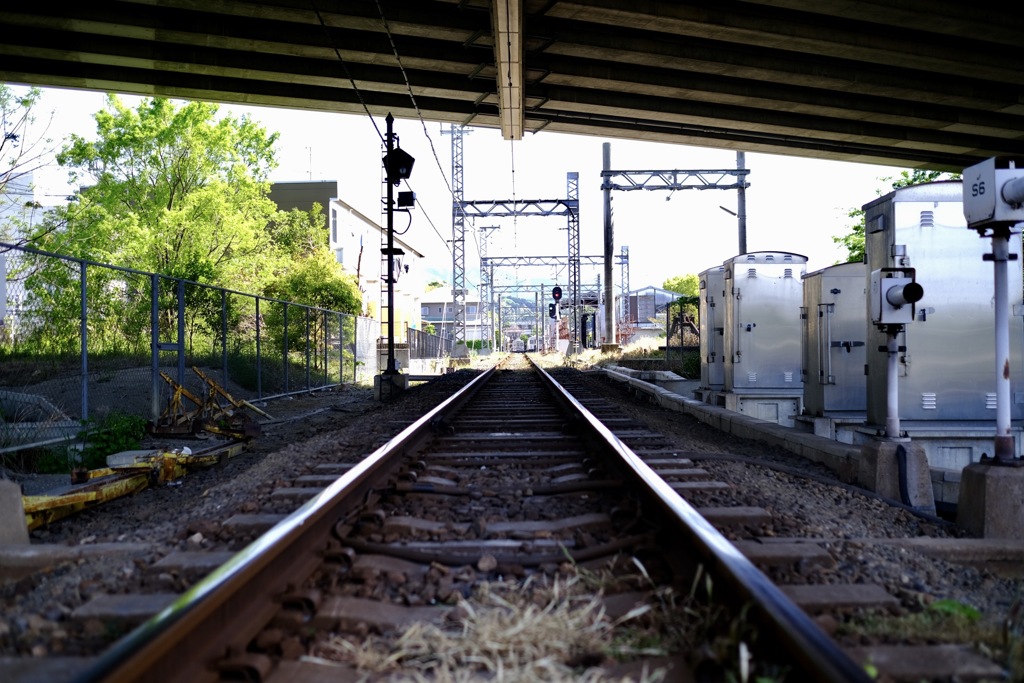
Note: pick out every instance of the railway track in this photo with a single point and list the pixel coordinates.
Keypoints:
(504, 497)
(504, 502)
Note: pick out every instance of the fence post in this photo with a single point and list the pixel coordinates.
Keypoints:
(224, 336)
(341, 349)
(84, 334)
(154, 333)
(287, 384)
(309, 334)
(259, 355)
(181, 332)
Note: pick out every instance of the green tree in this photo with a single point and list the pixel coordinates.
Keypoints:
(688, 285)
(853, 240)
(316, 281)
(177, 191)
(300, 234)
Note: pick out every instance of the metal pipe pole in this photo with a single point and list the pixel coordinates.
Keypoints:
(609, 248)
(1004, 446)
(390, 146)
(84, 336)
(538, 319)
(741, 203)
(892, 398)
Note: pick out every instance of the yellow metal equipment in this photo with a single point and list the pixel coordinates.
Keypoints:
(208, 415)
(133, 473)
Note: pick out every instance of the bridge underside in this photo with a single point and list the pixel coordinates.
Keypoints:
(920, 83)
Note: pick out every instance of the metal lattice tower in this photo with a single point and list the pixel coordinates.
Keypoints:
(486, 287)
(570, 207)
(573, 205)
(625, 283)
(625, 276)
(458, 239)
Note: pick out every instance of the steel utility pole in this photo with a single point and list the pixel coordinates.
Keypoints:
(609, 248)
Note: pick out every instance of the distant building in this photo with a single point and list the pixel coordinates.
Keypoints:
(646, 312)
(438, 309)
(303, 194)
(356, 241)
(22, 205)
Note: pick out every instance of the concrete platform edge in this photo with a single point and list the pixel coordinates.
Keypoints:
(843, 459)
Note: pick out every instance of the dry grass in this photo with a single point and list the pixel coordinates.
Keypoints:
(554, 632)
(506, 632)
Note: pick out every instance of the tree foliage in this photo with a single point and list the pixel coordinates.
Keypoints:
(183, 192)
(688, 285)
(853, 240)
(24, 149)
(177, 191)
(317, 281)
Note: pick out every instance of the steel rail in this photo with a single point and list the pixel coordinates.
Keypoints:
(821, 658)
(184, 642)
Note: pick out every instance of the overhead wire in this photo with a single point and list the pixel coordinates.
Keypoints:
(419, 115)
(344, 65)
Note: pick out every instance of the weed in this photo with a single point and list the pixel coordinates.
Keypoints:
(943, 621)
(116, 432)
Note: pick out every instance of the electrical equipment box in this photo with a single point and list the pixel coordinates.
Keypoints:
(945, 374)
(834, 333)
(711, 319)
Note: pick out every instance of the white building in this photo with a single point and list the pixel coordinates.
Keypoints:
(438, 309)
(356, 242)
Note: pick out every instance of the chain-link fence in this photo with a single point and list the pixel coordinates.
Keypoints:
(81, 340)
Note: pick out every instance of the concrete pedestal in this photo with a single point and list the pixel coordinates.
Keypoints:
(399, 383)
(460, 351)
(879, 471)
(990, 500)
(13, 531)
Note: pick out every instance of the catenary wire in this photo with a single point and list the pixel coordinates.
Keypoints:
(337, 53)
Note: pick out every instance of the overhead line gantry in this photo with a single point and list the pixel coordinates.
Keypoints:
(569, 207)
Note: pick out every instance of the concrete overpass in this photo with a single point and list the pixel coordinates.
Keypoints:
(916, 83)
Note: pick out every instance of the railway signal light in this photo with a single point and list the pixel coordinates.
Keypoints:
(994, 193)
(556, 293)
(398, 165)
(893, 296)
(552, 310)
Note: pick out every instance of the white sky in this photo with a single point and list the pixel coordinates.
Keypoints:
(793, 204)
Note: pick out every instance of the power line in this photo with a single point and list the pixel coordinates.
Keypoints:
(419, 115)
(337, 53)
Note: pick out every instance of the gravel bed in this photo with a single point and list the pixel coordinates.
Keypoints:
(346, 424)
